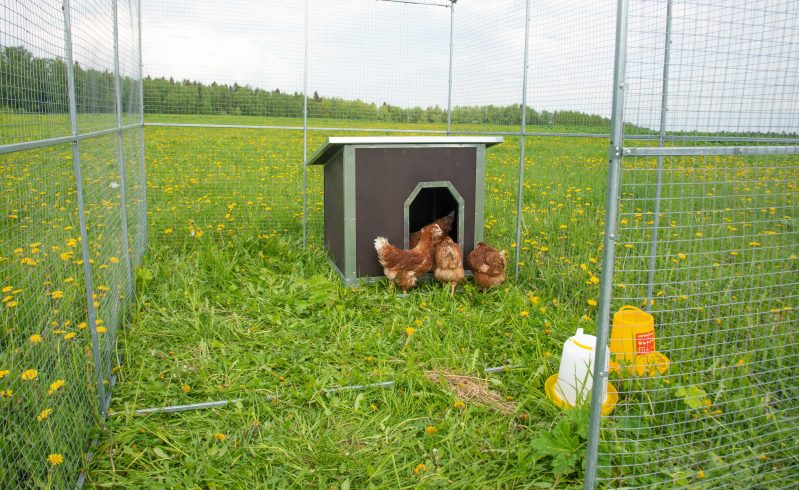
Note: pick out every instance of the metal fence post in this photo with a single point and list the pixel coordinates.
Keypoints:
(121, 156)
(608, 250)
(142, 162)
(305, 135)
(664, 107)
(84, 247)
(451, 45)
(520, 192)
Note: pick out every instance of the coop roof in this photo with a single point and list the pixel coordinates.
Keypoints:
(333, 145)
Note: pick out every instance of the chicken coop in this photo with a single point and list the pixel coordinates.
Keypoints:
(392, 187)
(173, 245)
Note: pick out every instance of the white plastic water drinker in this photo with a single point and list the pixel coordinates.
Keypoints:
(575, 377)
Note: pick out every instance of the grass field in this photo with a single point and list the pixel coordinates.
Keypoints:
(230, 306)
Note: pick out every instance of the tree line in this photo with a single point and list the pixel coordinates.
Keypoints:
(39, 85)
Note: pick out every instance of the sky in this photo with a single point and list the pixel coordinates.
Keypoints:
(734, 65)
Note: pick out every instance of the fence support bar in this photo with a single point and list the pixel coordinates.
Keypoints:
(664, 105)
(520, 192)
(600, 379)
(142, 160)
(61, 140)
(84, 246)
(305, 136)
(449, 83)
(673, 151)
(121, 157)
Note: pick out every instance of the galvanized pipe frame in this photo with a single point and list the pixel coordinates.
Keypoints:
(664, 104)
(600, 379)
(85, 256)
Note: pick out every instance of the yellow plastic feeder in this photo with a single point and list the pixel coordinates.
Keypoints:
(632, 342)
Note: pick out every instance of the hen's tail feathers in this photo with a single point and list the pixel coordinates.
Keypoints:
(380, 243)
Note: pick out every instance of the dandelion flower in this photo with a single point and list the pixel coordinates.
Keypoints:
(35, 339)
(55, 386)
(6, 289)
(30, 375)
(524, 314)
(44, 414)
(69, 336)
(4, 373)
(459, 405)
(682, 256)
(700, 474)
(220, 436)
(101, 329)
(55, 459)
(419, 469)
(410, 331)
(114, 260)
(57, 294)
(430, 430)
(592, 302)
(185, 388)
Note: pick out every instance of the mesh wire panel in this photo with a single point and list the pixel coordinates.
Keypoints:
(48, 390)
(732, 70)
(93, 54)
(386, 62)
(45, 402)
(32, 72)
(570, 73)
(229, 59)
(710, 233)
(488, 66)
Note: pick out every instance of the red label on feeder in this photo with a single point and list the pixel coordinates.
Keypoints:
(645, 342)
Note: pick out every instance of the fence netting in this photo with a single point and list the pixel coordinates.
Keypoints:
(70, 162)
(707, 242)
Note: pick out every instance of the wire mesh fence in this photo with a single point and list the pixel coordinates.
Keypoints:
(704, 240)
(71, 162)
(238, 97)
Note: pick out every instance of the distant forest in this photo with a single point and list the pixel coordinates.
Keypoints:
(38, 85)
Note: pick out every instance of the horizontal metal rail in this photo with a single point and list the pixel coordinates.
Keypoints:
(32, 145)
(641, 137)
(667, 151)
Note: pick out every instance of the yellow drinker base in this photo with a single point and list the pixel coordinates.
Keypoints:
(607, 407)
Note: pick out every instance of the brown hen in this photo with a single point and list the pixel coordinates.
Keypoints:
(445, 223)
(404, 267)
(449, 263)
(487, 265)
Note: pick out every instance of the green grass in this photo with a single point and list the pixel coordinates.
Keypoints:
(242, 311)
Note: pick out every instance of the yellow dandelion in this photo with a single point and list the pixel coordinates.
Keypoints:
(4, 373)
(544, 249)
(12, 304)
(524, 314)
(101, 329)
(220, 436)
(30, 375)
(6, 289)
(430, 430)
(58, 294)
(459, 405)
(82, 325)
(700, 474)
(592, 302)
(754, 244)
(56, 385)
(44, 414)
(55, 459)
(419, 469)
(69, 336)
(534, 299)
(185, 388)
(35, 339)
(114, 260)
(682, 256)
(410, 331)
